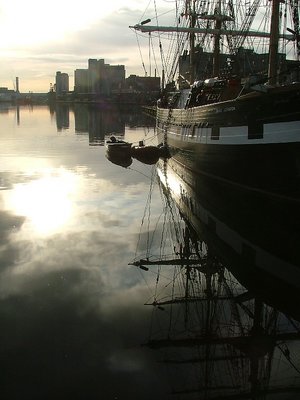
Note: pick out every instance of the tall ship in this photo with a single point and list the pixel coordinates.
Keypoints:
(231, 101)
(224, 298)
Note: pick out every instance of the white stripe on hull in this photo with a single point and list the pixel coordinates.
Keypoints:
(279, 132)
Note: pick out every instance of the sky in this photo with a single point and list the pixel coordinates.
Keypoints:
(41, 38)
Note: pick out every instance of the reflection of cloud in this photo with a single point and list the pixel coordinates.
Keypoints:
(5, 182)
(126, 360)
(9, 224)
(71, 309)
(101, 258)
(64, 347)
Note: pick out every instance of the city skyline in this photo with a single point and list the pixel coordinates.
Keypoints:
(39, 42)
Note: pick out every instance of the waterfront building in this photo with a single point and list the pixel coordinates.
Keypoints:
(143, 83)
(7, 95)
(102, 82)
(104, 77)
(81, 81)
(98, 80)
(115, 75)
(61, 83)
(94, 67)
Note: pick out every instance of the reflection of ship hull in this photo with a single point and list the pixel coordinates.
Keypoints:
(273, 168)
(255, 235)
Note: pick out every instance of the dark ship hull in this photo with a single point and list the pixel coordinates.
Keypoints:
(252, 141)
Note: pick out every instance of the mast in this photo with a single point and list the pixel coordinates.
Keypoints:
(210, 31)
(192, 43)
(218, 25)
(274, 38)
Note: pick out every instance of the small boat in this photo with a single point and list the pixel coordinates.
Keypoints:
(121, 153)
(117, 144)
(149, 154)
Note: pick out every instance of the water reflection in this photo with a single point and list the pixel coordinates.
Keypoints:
(71, 309)
(100, 121)
(45, 202)
(62, 117)
(225, 298)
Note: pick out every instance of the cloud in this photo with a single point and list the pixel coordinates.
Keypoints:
(108, 38)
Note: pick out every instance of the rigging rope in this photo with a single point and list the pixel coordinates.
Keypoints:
(139, 47)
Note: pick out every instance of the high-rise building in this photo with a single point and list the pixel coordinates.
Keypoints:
(102, 78)
(61, 83)
(81, 81)
(94, 75)
(116, 74)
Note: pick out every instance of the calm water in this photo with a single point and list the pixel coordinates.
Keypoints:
(71, 309)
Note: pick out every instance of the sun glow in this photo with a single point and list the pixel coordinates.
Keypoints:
(45, 202)
(29, 22)
(40, 38)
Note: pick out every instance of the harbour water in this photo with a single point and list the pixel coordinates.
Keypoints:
(72, 310)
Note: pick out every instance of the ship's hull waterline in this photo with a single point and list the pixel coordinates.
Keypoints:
(252, 141)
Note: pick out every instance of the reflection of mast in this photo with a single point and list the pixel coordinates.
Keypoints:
(248, 347)
(273, 57)
(258, 346)
(206, 319)
(18, 114)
